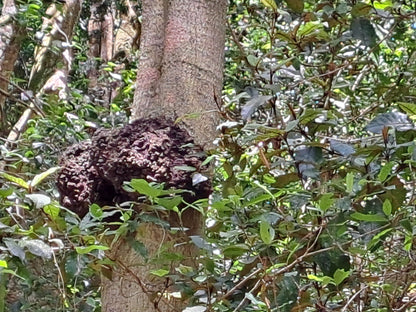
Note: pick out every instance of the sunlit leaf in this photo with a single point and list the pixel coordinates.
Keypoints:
(42, 176)
(16, 180)
(387, 208)
(6, 192)
(96, 211)
(269, 4)
(340, 275)
(52, 210)
(252, 60)
(159, 272)
(408, 108)
(383, 4)
(326, 201)
(385, 171)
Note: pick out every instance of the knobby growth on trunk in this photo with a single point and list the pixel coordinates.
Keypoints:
(150, 149)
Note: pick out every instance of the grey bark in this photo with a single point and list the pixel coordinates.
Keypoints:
(10, 35)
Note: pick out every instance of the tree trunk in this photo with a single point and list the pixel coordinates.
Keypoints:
(101, 40)
(10, 33)
(52, 58)
(181, 66)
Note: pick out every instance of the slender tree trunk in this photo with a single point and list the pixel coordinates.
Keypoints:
(10, 34)
(181, 67)
(101, 37)
(52, 58)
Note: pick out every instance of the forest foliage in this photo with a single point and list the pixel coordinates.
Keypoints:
(313, 203)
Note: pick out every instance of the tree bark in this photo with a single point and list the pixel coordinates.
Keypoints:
(181, 67)
(10, 34)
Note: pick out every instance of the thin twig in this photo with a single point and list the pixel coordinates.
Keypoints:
(352, 298)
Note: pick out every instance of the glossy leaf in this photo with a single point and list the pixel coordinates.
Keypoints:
(396, 120)
(266, 232)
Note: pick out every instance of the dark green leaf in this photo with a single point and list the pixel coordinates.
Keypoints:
(235, 250)
(368, 217)
(363, 30)
(295, 5)
(396, 120)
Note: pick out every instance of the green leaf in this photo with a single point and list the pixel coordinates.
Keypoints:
(396, 120)
(340, 275)
(159, 272)
(408, 108)
(252, 60)
(84, 250)
(376, 239)
(326, 201)
(38, 248)
(385, 171)
(408, 242)
(3, 263)
(15, 180)
(143, 187)
(368, 217)
(6, 192)
(361, 9)
(96, 211)
(387, 208)
(42, 176)
(383, 4)
(363, 30)
(170, 203)
(270, 4)
(350, 182)
(235, 250)
(325, 280)
(267, 233)
(52, 210)
(138, 247)
(296, 6)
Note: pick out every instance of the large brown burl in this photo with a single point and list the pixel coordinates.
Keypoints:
(150, 149)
